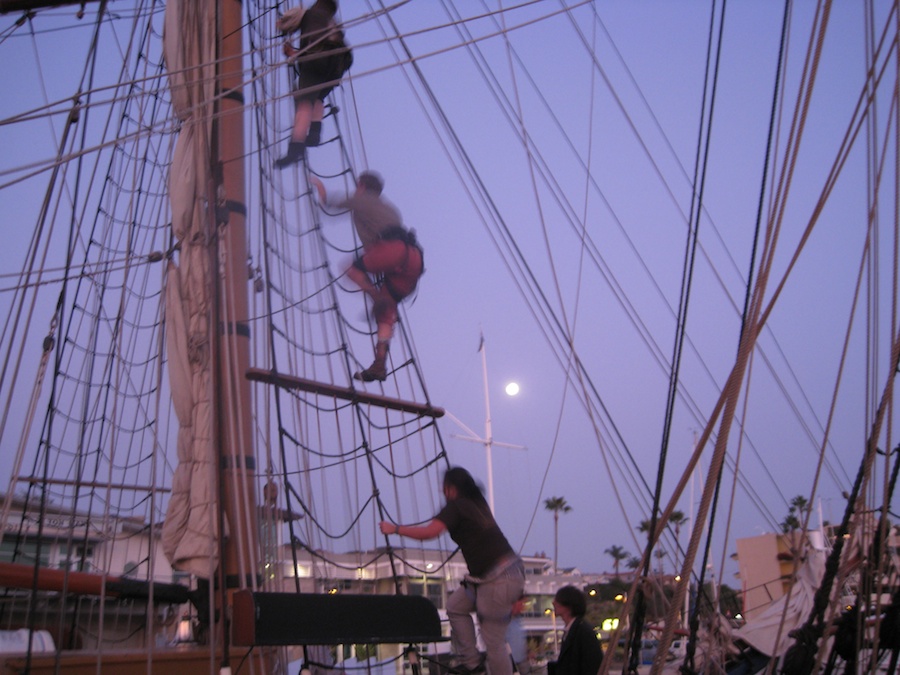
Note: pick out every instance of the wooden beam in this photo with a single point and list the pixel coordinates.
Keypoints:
(185, 660)
(17, 575)
(7, 6)
(343, 393)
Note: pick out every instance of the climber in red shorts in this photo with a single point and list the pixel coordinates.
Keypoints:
(390, 264)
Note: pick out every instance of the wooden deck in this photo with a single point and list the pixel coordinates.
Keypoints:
(176, 661)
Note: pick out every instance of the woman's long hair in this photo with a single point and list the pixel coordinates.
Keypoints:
(465, 485)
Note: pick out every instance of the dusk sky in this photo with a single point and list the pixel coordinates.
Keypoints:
(595, 209)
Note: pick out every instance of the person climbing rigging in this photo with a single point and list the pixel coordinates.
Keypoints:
(496, 578)
(391, 263)
(320, 61)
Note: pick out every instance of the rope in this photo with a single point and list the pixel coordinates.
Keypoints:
(303, 251)
(691, 242)
(298, 349)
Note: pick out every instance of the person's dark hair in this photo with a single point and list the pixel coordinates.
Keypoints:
(573, 598)
(371, 181)
(329, 6)
(465, 485)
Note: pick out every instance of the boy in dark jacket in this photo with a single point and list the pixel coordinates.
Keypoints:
(580, 652)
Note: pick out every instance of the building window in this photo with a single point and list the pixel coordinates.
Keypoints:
(366, 587)
(78, 561)
(23, 552)
(430, 588)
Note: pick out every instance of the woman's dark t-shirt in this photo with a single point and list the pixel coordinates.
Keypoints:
(476, 532)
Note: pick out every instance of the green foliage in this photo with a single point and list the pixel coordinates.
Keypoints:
(557, 505)
(729, 601)
(797, 511)
(618, 554)
(365, 651)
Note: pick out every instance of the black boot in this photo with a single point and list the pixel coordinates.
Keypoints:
(378, 369)
(314, 135)
(295, 153)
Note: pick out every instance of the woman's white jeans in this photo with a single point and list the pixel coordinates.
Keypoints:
(492, 602)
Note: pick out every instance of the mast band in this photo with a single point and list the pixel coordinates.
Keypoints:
(231, 328)
(238, 462)
(234, 581)
(234, 95)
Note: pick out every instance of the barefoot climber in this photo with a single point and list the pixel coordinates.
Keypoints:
(391, 261)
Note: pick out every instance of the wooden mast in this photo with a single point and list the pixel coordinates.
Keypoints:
(240, 554)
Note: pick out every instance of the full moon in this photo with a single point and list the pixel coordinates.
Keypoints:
(512, 388)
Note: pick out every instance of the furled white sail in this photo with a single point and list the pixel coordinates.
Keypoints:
(766, 632)
(191, 519)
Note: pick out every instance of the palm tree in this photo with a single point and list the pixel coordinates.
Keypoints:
(659, 554)
(677, 519)
(557, 505)
(796, 513)
(618, 554)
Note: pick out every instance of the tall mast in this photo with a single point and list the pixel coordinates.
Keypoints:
(240, 554)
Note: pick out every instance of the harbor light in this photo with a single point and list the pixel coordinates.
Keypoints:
(184, 632)
(609, 625)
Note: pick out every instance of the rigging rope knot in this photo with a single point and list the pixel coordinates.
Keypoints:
(50, 340)
(75, 112)
(27, 16)
(223, 213)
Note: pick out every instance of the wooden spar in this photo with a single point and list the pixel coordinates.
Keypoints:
(16, 575)
(343, 393)
(7, 6)
(240, 564)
